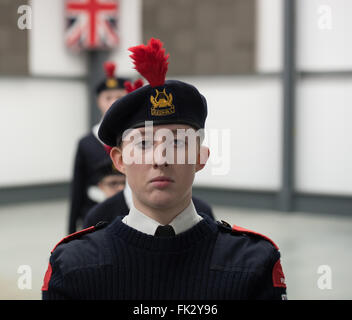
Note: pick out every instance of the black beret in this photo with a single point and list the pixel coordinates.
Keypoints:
(163, 102)
(174, 102)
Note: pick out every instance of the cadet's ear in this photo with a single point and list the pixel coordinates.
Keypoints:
(116, 157)
(203, 157)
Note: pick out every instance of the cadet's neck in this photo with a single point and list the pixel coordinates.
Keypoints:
(165, 214)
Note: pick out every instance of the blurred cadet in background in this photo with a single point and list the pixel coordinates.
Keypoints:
(108, 181)
(90, 151)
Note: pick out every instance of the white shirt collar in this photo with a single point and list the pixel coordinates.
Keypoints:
(127, 193)
(182, 222)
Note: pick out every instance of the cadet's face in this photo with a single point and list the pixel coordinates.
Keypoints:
(160, 182)
(112, 184)
(108, 97)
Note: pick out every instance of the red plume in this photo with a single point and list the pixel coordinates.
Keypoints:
(151, 61)
(109, 68)
(138, 84)
(128, 86)
(131, 87)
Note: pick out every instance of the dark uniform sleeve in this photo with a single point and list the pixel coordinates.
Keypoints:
(270, 284)
(53, 287)
(68, 256)
(63, 258)
(256, 254)
(78, 192)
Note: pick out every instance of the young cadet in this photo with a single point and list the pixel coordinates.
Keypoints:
(90, 150)
(163, 249)
(120, 203)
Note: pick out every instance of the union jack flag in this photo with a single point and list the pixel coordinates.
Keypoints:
(91, 24)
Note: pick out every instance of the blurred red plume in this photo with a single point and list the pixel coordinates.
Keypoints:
(109, 68)
(131, 87)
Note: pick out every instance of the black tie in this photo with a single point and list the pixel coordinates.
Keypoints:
(165, 231)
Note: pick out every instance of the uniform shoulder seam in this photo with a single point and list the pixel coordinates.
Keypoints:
(79, 234)
(239, 229)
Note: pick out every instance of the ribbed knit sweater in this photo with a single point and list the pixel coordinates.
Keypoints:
(119, 262)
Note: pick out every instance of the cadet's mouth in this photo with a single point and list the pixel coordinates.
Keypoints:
(161, 181)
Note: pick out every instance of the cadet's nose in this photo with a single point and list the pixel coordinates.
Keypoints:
(159, 158)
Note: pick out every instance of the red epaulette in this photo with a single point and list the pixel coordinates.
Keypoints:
(80, 233)
(68, 238)
(73, 236)
(246, 231)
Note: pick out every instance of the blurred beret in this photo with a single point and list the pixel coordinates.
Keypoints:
(110, 81)
(103, 169)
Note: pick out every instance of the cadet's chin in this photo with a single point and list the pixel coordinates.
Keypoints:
(162, 199)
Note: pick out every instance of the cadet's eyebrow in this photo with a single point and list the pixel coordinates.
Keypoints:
(174, 131)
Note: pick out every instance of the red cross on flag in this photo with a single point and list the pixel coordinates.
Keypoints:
(91, 24)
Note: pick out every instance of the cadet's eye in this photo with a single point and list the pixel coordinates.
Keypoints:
(179, 143)
(144, 144)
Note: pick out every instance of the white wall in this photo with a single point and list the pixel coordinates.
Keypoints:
(249, 110)
(323, 155)
(43, 117)
(47, 52)
(130, 35)
(323, 31)
(269, 31)
(41, 121)
(324, 136)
